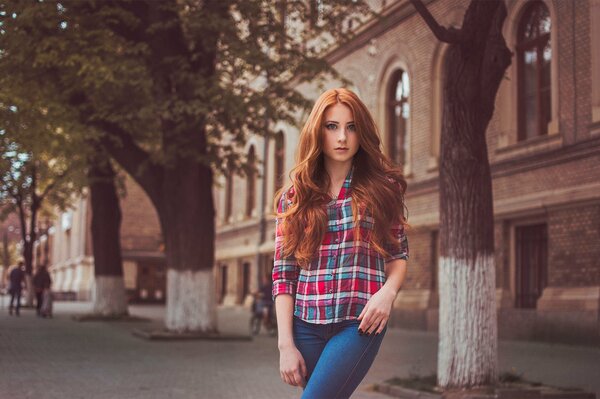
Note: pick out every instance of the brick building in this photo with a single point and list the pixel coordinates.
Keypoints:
(544, 150)
(72, 263)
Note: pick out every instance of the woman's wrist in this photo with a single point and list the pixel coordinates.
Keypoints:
(390, 290)
(287, 344)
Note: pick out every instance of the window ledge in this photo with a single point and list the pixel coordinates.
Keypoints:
(529, 146)
(432, 164)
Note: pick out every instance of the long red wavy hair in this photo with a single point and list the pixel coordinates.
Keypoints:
(374, 193)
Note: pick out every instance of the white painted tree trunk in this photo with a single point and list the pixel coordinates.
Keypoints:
(191, 303)
(467, 352)
(109, 296)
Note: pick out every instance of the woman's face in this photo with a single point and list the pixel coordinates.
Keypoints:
(340, 139)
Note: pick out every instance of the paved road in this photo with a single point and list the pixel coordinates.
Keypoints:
(61, 358)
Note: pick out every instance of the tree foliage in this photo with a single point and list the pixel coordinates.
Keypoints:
(171, 80)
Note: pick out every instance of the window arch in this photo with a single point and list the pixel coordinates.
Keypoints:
(279, 175)
(437, 104)
(250, 182)
(534, 58)
(398, 111)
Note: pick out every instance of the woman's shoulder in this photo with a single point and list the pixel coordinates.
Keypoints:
(285, 200)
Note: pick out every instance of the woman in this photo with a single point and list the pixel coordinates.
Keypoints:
(340, 249)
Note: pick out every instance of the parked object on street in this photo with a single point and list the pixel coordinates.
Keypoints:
(262, 314)
(41, 283)
(46, 308)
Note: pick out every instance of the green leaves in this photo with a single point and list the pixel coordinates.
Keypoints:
(184, 79)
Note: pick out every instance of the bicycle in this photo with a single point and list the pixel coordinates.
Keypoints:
(262, 314)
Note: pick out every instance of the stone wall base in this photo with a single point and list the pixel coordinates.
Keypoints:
(569, 327)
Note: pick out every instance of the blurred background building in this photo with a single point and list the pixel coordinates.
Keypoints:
(543, 145)
(72, 262)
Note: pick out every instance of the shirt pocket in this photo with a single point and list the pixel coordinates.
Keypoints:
(366, 224)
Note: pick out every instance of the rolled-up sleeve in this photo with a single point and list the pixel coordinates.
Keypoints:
(285, 268)
(399, 248)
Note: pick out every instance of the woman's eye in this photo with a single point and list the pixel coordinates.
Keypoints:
(352, 128)
(331, 126)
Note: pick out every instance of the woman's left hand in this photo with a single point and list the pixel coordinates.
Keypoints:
(376, 312)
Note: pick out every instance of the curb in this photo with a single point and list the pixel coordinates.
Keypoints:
(495, 393)
(165, 335)
(97, 317)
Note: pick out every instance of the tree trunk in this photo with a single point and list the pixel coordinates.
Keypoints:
(5, 258)
(109, 298)
(475, 65)
(187, 220)
(28, 260)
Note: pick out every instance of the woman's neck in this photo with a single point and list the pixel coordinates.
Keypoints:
(337, 171)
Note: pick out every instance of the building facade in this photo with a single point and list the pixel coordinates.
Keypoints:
(543, 147)
(72, 261)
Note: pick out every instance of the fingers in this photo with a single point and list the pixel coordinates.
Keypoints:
(362, 314)
(285, 378)
(380, 326)
(296, 377)
(289, 379)
(299, 380)
(303, 370)
(373, 323)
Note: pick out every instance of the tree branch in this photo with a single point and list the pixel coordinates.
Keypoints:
(19, 201)
(122, 148)
(50, 186)
(132, 158)
(443, 34)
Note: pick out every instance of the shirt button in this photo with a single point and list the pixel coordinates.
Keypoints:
(337, 240)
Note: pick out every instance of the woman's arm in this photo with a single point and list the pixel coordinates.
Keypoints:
(376, 312)
(284, 308)
(395, 272)
(292, 367)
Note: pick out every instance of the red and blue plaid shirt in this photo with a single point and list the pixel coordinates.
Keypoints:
(343, 277)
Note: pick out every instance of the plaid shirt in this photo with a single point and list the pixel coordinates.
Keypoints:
(340, 281)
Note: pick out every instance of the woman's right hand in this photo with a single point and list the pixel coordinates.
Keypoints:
(292, 366)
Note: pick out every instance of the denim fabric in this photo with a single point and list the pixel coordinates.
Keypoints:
(337, 357)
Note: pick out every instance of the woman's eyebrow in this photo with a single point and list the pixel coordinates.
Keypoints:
(338, 122)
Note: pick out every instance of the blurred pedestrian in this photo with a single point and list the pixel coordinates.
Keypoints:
(265, 302)
(16, 279)
(41, 283)
(340, 246)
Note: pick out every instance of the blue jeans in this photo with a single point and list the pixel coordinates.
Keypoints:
(337, 357)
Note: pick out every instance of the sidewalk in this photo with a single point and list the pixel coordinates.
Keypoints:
(61, 358)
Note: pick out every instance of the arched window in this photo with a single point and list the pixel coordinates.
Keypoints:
(534, 55)
(250, 182)
(228, 191)
(279, 160)
(397, 114)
